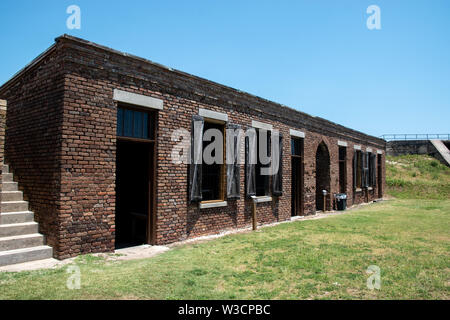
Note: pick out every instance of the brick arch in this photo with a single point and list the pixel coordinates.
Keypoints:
(323, 176)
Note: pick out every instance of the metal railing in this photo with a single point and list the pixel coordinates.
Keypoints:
(415, 136)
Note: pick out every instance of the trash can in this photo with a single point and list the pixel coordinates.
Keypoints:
(341, 201)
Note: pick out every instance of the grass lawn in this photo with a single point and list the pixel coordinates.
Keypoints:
(417, 176)
(408, 240)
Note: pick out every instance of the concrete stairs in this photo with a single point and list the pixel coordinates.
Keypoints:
(19, 238)
(442, 150)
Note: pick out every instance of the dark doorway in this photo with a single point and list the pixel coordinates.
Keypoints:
(297, 176)
(135, 177)
(322, 176)
(134, 162)
(379, 177)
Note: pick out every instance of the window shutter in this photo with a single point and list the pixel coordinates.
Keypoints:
(363, 177)
(363, 170)
(354, 169)
(195, 168)
(365, 164)
(250, 163)
(374, 177)
(269, 154)
(233, 170)
(367, 170)
(277, 178)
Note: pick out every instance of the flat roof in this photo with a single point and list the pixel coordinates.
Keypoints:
(210, 83)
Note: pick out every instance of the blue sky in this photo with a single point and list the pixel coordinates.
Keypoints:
(316, 56)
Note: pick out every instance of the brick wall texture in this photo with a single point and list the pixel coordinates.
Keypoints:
(61, 146)
(3, 104)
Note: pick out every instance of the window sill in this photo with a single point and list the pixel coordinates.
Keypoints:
(358, 190)
(260, 199)
(369, 188)
(216, 204)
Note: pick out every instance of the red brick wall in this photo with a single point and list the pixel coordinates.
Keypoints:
(33, 140)
(78, 160)
(88, 168)
(2, 145)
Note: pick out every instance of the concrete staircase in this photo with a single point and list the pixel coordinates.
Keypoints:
(442, 150)
(19, 237)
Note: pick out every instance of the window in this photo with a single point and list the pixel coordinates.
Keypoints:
(135, 124)
(260, 171)
(342, 169)
(357, 169)
(297, 147)
(363, 170)
(211, 178)
(213, 174)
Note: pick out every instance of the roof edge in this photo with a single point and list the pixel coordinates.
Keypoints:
(210, 82)
(28, 67)
(66, 37)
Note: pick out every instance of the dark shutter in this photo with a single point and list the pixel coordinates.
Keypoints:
(363, 178)
(277, 178)
(269, 154)
(355, 161)
(195, 168)
(373, 158)
(233, 170)
(250, 163)
(365, 167)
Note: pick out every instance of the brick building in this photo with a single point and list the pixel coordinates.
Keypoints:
(89, 139)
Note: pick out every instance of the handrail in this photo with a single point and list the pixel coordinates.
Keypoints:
(415, 136)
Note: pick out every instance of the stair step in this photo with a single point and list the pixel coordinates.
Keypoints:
(10, 186)
(23, 241)
(14, 206)
(443, 150)
(15, 229)
(25, 255)
(20, 241)
(7, 177)
(12, 195)
(16, 217)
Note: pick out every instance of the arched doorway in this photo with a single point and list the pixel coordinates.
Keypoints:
(322, 175)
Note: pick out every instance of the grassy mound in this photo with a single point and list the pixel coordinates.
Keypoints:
(417, 177)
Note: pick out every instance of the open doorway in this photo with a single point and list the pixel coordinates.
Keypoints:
(297, 176)
(322, 176)
(135, 178)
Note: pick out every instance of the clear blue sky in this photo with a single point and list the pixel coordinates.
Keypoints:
(315, 56)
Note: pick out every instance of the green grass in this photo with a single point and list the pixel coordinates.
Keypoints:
(314, 259)
(407, 238)
(417, 177)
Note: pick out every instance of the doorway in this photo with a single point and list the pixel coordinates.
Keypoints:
(322, 176)
(297, 170)
(379, 177)
(135, 177)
